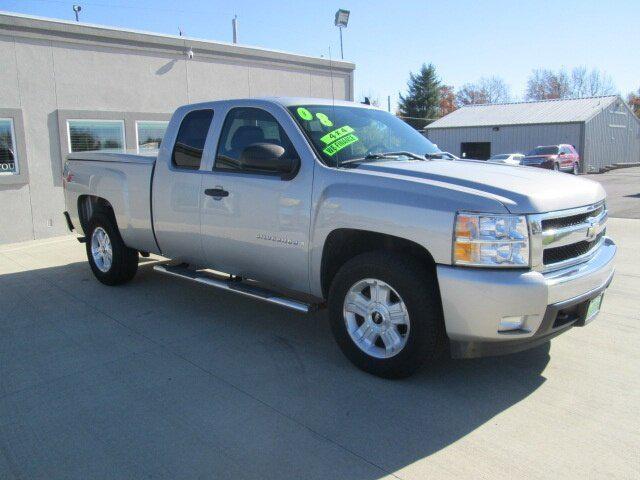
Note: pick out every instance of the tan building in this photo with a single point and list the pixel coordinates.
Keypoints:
(67, 86)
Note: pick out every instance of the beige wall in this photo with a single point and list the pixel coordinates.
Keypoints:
(42, 74)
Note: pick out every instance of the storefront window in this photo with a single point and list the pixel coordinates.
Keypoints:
(150, 134)
(86, 135)
(8, 156)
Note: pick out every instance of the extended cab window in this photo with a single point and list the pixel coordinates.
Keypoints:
(187, 151)
(247, 127)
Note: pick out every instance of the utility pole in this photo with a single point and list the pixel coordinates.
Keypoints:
(234, 24)
(389, 103)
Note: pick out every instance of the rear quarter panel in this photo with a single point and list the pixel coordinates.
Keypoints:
(126, 186)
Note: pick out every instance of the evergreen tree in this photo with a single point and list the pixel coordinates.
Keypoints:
(423, 96)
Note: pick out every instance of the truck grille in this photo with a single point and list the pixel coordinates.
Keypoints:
(568, 237)
(567, 252)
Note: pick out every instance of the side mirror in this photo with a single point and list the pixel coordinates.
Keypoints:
(268, 158)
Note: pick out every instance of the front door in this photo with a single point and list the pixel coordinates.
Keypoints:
(254, 224)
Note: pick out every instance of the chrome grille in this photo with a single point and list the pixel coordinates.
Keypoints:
(567, 237)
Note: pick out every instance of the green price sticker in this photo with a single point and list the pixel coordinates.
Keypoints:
(336, 134)
(324, 120)
(339, 144)
(304, 114)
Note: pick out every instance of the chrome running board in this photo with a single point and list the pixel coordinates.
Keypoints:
(235, 286)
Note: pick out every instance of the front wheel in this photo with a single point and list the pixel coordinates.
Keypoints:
(111, 261)
(385, 313)
(575, 169)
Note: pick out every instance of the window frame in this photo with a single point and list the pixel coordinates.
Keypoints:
(220, 143)
(14, 145)
(177, 168)
(21, 176)
(135, 126)
(122, 129)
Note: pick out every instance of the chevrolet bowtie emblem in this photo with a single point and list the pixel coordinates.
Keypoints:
(592, 231)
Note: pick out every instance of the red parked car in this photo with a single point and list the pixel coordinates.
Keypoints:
(554, 157)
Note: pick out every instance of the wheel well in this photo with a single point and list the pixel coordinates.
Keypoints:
(89, 205)
(343, 244)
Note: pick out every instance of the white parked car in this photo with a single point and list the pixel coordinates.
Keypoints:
(509, 158)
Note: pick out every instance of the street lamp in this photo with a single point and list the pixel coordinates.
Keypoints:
(341, 20)
(77, 9)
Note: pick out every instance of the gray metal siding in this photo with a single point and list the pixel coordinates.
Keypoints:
(508, 139)
(612, 136)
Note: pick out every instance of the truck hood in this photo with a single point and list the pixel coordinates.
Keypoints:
(519, 189)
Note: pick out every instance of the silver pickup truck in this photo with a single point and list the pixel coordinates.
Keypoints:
(309, 203)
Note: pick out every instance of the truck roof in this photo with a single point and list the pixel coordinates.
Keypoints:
(286, 101)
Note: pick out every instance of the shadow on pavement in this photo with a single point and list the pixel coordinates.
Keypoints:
(168, 379)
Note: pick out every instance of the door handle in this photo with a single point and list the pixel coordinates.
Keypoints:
(216, 192)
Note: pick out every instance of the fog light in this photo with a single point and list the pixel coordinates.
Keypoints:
(508, 324)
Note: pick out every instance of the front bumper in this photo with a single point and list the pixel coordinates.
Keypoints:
(475, 300)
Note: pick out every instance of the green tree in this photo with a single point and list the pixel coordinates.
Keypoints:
(423, 97)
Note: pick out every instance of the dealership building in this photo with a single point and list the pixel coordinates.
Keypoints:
(68, 87)
(603, 130)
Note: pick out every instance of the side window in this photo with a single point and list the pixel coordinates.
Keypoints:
(8, 157)
(246, 127)
(187, 152)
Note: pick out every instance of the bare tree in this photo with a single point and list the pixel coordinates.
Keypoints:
(544, 84)
(590, 84)
(486, 90)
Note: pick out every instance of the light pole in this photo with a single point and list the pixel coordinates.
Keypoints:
(77, 9)
(341, 20)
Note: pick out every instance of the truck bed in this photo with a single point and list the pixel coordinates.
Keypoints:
(124, 180)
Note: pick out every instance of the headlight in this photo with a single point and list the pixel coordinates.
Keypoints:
(491, 240)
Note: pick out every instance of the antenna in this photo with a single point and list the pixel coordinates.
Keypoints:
(333, 96)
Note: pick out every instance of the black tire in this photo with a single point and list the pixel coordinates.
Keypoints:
(418, 289)
(556, 167)
(575, 169)
(124, 264)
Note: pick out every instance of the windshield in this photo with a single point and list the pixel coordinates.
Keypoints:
(342, 134)
(543, 151)
(499, 157)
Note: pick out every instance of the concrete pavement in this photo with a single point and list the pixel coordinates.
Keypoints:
(166, 379)
(623, 191)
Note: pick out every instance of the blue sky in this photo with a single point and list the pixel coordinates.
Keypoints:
(387, 39)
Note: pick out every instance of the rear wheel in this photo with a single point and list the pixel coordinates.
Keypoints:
(556, 167)
(385, 313)
(111, 261)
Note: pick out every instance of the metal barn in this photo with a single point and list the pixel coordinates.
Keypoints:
(604, 130)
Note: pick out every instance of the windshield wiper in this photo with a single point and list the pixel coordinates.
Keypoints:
(379, 156)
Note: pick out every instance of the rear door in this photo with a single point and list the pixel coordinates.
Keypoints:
(256, 225)
(176, 188)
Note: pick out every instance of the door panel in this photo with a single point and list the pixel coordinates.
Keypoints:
(259, 229)
(176, 189)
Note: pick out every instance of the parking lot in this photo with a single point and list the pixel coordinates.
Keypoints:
(166, 379)
(623, 191)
